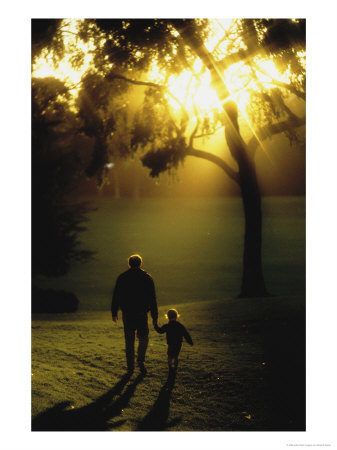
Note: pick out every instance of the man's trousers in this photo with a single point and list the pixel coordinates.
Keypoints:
(135, 323)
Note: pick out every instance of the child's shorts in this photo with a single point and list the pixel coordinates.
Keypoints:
(174, 350)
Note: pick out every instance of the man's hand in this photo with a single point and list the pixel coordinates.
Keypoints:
(114, 318)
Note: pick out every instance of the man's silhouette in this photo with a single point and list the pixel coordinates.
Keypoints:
(135, 295)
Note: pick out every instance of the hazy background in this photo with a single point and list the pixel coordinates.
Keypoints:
(192, 246)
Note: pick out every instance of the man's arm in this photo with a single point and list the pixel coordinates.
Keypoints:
(153, 301)
(115, 301)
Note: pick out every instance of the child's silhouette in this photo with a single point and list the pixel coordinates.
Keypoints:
(175, 332)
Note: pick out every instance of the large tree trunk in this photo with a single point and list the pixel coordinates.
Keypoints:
(252, 279)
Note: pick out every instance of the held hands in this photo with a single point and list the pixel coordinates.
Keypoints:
(114, 318)
(155, 322)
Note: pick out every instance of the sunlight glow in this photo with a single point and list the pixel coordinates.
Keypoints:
(194, 87)
(302, 56)
(191, 88)
(179, 86)
(219, 28)
(205, 96)
(155, 74)
(192, 92)
(237, 78)
(44, 65)
(269, 69)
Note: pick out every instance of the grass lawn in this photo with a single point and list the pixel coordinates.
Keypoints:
(245, 372)
(192, 247)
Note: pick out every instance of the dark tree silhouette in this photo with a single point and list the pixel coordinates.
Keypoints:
(57, 218)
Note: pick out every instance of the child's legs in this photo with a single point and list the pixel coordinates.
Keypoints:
(173, 353)
(172, 361)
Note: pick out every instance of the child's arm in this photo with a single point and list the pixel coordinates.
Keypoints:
(187, 336)
(160, 330)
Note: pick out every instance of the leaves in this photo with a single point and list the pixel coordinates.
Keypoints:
(141, 134)
(165, 158)
(58, 155)
(283, 34)
(44, 32)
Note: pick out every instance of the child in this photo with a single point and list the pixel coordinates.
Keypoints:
(175, 332)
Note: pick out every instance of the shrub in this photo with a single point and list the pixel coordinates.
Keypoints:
(53, 301)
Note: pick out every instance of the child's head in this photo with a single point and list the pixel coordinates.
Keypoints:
(172, 314)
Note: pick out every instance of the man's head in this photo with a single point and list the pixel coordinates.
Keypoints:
(135, 261)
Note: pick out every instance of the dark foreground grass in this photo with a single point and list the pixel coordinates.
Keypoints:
(246, 371)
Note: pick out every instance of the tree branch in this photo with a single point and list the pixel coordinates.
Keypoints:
(194, 132)
(190, 144)
(225, 36)
(289, 87)
(243, 55)
(211, 133)
(111, 76)
(282, 84)
(216, 160)
(240, 55)
(276, 128)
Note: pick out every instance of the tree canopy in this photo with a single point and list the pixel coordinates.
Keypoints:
(260, 61)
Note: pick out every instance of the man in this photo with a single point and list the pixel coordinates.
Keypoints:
(135, 295)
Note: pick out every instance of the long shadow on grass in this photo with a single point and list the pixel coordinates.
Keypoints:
(157, 418)
(93, 417)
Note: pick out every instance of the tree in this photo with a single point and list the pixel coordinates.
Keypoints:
(166, 135)
(277, 37)
(281, 39)
(57, 166)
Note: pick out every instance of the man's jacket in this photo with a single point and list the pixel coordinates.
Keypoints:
(134, 294)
